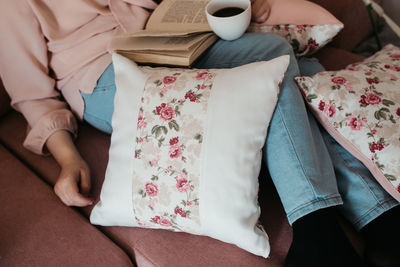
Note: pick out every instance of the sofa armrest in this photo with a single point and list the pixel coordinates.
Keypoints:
(4, 100)
(354, 15)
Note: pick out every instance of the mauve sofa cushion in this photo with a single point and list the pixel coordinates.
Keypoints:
(37, 230)
(158, 247)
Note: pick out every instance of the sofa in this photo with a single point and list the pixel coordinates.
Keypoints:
(36, 229)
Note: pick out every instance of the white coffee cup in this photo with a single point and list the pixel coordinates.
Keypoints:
(231, 27)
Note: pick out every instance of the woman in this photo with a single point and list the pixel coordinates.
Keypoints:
(63, 45)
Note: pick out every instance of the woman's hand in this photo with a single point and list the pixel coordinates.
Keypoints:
(259, 10)
(73, 184)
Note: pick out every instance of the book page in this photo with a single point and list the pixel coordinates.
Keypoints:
(182, 43)
(179, 15)
(153, 33)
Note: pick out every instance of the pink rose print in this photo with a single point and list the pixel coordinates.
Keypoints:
(192, 97)
(363, 101)
(156, 219)
(165, 89)
(165, 222)
(355, 123)
(373, 131)
(169, 79)
(321, 105)
(155, 161)
(398, 112)
(151, 189)
(349, 87)
(329, 110)
(137, 155)
(189, 203)
(373, 99)
(300, 28)
(182, 185)
(166, 113)
(174, 140)
(141, 124)
(167, 170)
(312, 44)
(373, 147)
(182, 175)
(202, 75)
(339, 80)
(395, 56)
(398, 188)
(175, 151)
(372, 80)
(153, 203)
(180, 212)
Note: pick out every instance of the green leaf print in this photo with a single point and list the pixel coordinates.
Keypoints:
(310, 97)
(390, 177)
(387, 102)
(173, 125)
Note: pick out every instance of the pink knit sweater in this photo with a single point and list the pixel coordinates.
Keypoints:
(49, 46)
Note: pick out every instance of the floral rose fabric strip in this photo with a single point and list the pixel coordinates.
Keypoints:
(168, 148)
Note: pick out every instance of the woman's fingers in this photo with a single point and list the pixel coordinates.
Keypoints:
(85, 181)
(67, 188)
(260, 10)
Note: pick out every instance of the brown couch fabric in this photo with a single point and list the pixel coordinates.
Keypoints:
(157, 247)
(37, 230)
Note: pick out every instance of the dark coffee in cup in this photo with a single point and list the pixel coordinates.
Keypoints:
(228, 19)
(228, 12)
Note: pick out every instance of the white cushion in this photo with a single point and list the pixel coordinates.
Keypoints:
(185, 151)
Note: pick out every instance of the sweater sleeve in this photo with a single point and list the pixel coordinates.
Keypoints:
(24, 71)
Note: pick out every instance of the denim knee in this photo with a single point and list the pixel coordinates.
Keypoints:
(251, 47)
(99, 105)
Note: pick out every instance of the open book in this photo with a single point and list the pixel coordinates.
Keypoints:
(177, 33)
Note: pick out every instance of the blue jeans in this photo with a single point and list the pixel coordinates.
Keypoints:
(309, 169)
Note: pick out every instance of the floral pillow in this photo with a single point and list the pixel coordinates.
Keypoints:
(305, 39)
(306, 25)
(360, 107)
(185, 151)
